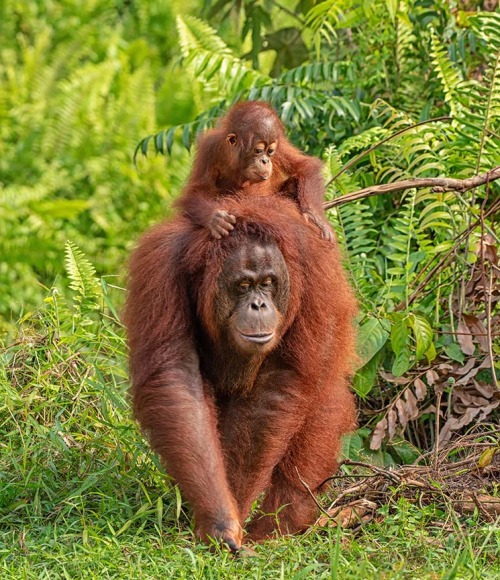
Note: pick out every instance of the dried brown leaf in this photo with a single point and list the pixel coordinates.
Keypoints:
(446, 367)
(378, 434)
(487, 409)
(485, 390)
(467, 397)
(459, 422)
(464, 338)
(448, 427)
(486, 364)
(478, 329)
(389, 377)
(404, 416)
(350, 515)
(464, 380)
(431, 376)
(392, 420)
(466, 368)
(420, 389)
(411, 404)
(490, 250)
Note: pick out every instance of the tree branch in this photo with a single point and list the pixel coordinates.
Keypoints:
(437, 185)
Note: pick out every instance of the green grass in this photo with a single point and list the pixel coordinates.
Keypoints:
(87, 544)
(81, 495)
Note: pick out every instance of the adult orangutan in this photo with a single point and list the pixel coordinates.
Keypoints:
(248, 153)
(240, 353)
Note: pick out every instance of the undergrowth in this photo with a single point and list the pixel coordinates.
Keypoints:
(82, 495)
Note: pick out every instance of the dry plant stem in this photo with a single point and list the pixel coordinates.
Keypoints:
(354, 489)
(437, 185)
(480, 507)
(306, 485)
(386, 473)
(488, 330)
(377, 145)
(488, 290)
(436, 432)
(466, 333)
(422, 478)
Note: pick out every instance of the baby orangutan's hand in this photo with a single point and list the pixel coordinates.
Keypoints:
(221, 223)
(323, 226)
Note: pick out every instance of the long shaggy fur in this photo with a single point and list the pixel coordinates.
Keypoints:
(225, 445)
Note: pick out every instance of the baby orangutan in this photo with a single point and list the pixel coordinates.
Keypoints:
(249, 154)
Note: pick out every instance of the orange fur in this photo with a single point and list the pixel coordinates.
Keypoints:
(218, 172)
(227, 437)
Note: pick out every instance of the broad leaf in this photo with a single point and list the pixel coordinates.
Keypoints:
(372, 336)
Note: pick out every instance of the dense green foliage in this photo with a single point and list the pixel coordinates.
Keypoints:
(83, 86)
(411, 256)
(79, 86)
(82, 496)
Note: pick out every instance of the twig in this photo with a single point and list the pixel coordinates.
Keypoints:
(385, 472)
(437, 185)
(480, 507)
(345, 476)
(353, 489)
(488, 329)
(488, 290)
(436, 431)
(306, 485)
(466, 333)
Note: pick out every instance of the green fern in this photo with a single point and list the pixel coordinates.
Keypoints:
(446, 72)
(399, 249)
(298, 104)
(82, 277)
(485, 98)
(209, 58)
(324, 18)
(354, 227)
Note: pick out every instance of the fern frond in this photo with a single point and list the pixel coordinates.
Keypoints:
(402, 261)
(446, 72)
(82, 276)
(207, 55)
(487, 27)
(195, 34)
(363, 140)
(333, 164)
(477, 138)
(313, 73)
(324, 18)
(354, 227)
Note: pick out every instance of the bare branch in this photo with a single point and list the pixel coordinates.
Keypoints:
(437, 185)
